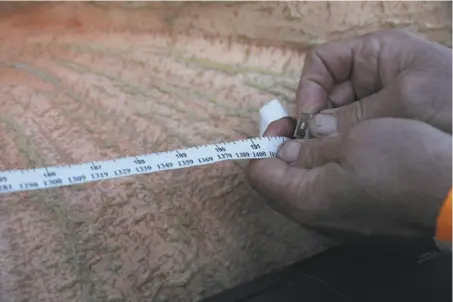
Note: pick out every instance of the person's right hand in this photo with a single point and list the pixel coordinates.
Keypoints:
(389, 73)
(385, 178)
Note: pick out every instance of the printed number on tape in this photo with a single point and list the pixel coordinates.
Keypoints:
(57, 176)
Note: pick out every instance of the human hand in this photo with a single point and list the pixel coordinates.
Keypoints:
(389, 73)
(384, 178)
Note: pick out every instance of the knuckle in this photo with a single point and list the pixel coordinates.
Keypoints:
(350, 115)
(359, 112)
(309, 59)
(406, 86)
(409, 86)
(307, 158)
(392, 33)
(393, 36)
(313, 53)
(304, 156)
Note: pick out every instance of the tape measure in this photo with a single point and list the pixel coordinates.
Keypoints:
(58, 176)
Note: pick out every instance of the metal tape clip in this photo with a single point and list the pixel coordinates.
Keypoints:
(302, 131)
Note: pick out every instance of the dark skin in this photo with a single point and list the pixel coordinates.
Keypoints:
(380, 163)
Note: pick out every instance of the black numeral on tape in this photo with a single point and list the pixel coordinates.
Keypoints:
(242, 154)
(225, 156)
(54, 177)
(164, 166)
(143, 169)
(96, 167)
(122, 172)
(100, 175)
(53, 182)
(185, 163)
(29, 185)
(204, 160)
(50, 174)
(75, 179)
(4, 188)
(259, 154)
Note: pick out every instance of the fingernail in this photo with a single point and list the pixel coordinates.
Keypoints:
(323, 124)
(289, 151)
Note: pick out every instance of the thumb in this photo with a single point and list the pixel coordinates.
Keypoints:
(312, 153)
(304, 195)
(339, 120)
(292, 172)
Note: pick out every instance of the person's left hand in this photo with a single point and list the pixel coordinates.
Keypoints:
(383, 178)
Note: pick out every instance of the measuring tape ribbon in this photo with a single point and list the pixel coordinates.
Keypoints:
(58, 176)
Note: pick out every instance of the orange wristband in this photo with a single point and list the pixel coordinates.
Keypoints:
(443, 225)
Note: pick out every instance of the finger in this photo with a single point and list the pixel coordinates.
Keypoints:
(308, 154)
(342, 94)
(266, 175)
(281, 127)
(339, 120)
(303, 195)
(278, 181)
(324, 66)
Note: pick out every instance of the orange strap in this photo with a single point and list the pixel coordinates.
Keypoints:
(443, 226)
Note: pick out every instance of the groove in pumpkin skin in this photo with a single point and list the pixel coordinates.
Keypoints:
(56, 205)
(188, 90)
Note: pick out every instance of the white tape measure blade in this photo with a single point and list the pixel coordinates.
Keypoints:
(57, 176)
